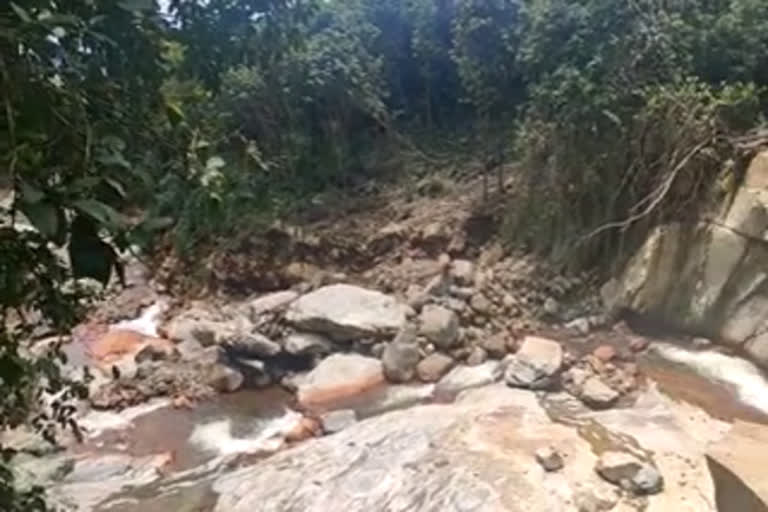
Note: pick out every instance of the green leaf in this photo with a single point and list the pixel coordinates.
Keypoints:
(100, 212)
(137, 5)
(116, 159)
(30, 194)
(214, 163)
(44, 217)
(116, 186)
(174, 113)
(90, 256)
(21, 13)
(156, 223)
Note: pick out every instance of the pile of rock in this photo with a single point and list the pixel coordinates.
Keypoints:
(457, 318)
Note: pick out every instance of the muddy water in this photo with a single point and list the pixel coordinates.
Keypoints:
(720, 399)
(725, 386)
(170, 430)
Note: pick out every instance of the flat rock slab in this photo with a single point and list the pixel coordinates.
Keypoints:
(338, 377)
(345, 312)
(738, 468)
(477, 454)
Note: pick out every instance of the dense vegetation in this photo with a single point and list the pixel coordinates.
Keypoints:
(122, 119)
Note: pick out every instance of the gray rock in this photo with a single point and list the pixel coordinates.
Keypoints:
(194, 325)
(549, 459)
(277, 301)
(151, 352)
(459, 306)
(304, 343)
(481, 304)
(254, 371)
(627, 471)
(438, 286)
(377, 349)
(439, 325)
(336, 421)
(534, 364)
(189, 350)
(551, 307)
(467, 377)
(462, 292)
(224, 379)
(463, 272)
(434, 366)
(476, 356)
(647, 481)
(596, 394)
(210, 356)
(495, 346)
(580, 325)
(399, 360)
(251, 344)
(416, 297)
(345, 312)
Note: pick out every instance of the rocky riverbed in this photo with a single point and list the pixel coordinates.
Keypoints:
(337, 396)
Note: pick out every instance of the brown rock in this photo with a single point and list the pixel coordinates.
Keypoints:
(638, 344)
(337, 377)
(306, 427)
(434, 366)
(604, 353)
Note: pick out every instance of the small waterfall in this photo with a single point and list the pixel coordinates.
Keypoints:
(747, 379)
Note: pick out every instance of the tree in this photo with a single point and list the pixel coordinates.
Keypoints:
(78, 81)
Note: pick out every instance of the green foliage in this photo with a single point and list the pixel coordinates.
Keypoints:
(78, 80)
(486, 40)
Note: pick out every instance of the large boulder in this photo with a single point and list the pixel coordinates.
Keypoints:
(707, 277)
(475, 453)
(737, 463)
(338, 377)
(345, 312)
